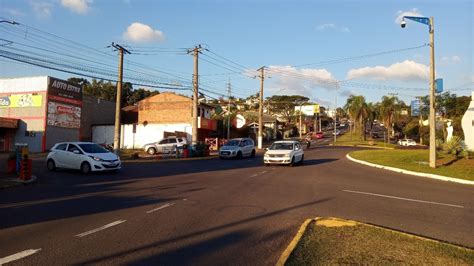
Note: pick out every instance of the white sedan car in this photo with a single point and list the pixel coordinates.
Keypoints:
(407, 142)
(284, 152)
(84, 156)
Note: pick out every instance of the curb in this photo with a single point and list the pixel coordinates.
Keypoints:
(286, 254)
(432, 176)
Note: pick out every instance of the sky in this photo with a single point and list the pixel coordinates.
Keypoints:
(324, 50)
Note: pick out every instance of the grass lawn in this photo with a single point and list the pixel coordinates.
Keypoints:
(331, 241)
(346, 140)
(417, 160)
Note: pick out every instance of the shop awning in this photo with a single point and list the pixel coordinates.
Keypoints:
(6, 122)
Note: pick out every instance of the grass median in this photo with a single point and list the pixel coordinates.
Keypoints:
(354, 139)
(329, 241)
(417, 160)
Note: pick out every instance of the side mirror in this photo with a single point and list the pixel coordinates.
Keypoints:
(76, 152)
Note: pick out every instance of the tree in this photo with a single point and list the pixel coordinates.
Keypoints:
(356, 107)
(284, 105)
(389, 112)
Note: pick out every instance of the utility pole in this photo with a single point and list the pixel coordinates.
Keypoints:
(195, 53)
(118, 102)
(301, 133)
(260, 108)
(432, 119)
(229, 90)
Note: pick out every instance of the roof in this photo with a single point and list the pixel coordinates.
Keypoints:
(6, 122)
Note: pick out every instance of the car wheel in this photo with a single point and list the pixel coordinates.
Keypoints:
(51, 165)
(302, 160)
(239, 155)
(266, 164)
(292, 161)
(252, 154)
(85, 168)
(151, 151)
(222, 158)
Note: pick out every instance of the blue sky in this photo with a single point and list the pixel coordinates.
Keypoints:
(288, 37)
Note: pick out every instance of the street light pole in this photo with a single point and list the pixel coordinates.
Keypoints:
(260, 109)
(432, 116)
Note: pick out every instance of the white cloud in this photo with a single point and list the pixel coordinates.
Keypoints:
(12, 12)
(138, 32)
(77, 6)
(332, 26)
(405, 71)
(42, 9)
(289, 80)
(400, 14)
(449, 60)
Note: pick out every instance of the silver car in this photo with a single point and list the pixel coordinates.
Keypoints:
(166, 145)
(237, 148)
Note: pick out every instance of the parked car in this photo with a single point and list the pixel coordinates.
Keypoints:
(165, 145)
(336, 132)
(319, 135)
(284, 152)
(84, 156)
(237, 148)
(406, 142)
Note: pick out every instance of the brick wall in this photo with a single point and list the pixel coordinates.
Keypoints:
(166, 107)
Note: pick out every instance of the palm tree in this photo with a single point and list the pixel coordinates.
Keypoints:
(389, 111)
(356, 107)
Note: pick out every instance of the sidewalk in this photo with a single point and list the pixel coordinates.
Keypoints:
(11, 180)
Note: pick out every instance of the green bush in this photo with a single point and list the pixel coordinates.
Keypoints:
(456, 147)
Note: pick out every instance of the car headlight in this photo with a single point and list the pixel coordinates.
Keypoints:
(96, 158)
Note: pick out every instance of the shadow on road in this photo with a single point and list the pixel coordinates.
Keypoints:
(197, 249)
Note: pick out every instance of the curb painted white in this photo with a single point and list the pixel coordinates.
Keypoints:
(433, 176)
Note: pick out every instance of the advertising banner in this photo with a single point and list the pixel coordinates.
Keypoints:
(308, 109)
(64, 115)
(21, 100)
(63, 91)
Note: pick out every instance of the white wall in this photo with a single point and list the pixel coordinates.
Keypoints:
(30, 84)
(144, 134)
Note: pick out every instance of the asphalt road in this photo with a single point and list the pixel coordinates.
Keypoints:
(216, 212)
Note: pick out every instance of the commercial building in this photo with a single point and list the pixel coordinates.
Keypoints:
(41, 111)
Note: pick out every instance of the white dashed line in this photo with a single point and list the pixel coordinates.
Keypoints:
(161, 207)
(406, 199)
(263, 172)
(101, 228)
(18, 256)
(254, 175)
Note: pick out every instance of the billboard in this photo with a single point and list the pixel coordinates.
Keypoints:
(415, 107)
(21, 100)
(63, 115)
(308, 109)
(63, 91)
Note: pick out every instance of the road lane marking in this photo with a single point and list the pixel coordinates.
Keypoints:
(254, 175)
(101, 228)
(407, 199)
(18, 256)
(161, 207)
(263, 172)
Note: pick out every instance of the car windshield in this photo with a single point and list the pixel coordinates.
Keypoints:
(93, 148)
(281, 146)
(233, 142)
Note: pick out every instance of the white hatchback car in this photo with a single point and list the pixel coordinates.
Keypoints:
(284, 152)
(84, 156)
(238, 148)
(407, 142)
